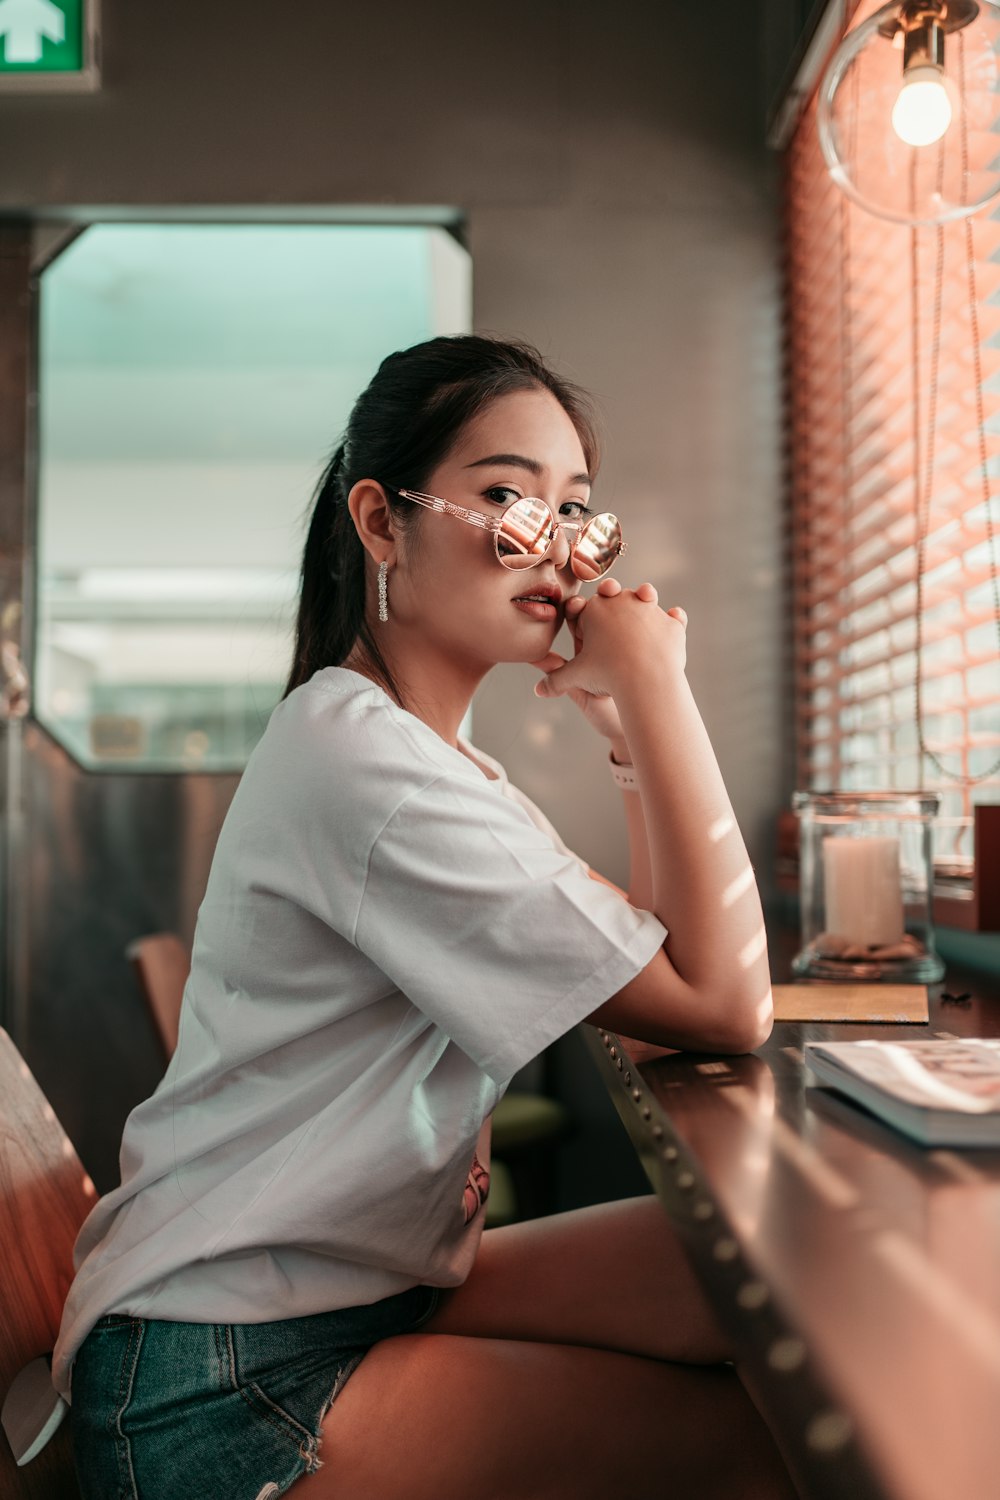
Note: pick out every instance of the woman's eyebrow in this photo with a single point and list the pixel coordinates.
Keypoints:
(531, 464)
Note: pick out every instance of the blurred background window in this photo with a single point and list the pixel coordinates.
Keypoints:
(893, 421)
(193, 382)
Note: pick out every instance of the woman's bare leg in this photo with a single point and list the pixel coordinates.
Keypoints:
(578, 1359)
(436, 1417)
(612, 1276)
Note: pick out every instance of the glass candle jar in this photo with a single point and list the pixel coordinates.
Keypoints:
(866, 882)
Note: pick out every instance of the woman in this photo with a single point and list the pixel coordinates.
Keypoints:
(390, 931)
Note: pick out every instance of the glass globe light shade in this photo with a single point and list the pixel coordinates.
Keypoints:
(946, 167)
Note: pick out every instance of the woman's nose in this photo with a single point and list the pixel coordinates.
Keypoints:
(561, 547)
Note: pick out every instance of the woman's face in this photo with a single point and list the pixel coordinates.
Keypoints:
(448, 591)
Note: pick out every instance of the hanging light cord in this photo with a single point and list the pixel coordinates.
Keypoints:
(846, 394)
(923, 493)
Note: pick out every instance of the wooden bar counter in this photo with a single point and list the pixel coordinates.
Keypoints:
(857, 1272)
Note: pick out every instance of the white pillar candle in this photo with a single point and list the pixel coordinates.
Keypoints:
(862, 887)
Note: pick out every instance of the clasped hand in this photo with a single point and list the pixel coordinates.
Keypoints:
(611, 638)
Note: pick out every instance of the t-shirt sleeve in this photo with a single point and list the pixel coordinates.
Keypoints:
(541, 821)
(492, 930)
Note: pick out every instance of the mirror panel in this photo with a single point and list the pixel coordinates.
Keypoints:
(193, 380)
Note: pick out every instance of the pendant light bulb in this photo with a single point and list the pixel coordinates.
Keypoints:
(908, 110)
(922, 111)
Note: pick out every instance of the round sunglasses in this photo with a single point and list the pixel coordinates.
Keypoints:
(523, 535)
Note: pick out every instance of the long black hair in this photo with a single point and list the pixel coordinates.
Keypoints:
(400, 429)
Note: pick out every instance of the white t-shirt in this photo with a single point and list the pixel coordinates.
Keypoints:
(387, 936)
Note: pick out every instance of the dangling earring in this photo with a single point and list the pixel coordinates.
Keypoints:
(383, 592)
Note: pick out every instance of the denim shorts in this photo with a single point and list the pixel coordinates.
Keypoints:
(225, 1411)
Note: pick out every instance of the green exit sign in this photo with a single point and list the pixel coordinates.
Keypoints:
(48, 44)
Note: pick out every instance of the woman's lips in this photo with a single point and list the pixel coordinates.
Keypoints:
(536, 609)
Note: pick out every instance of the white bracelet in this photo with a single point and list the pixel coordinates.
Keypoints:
(624, 775)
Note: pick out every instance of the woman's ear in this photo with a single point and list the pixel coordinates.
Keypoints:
(373, 519)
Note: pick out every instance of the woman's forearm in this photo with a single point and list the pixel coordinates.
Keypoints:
(640, 878)
(702, 885)
(639, 872)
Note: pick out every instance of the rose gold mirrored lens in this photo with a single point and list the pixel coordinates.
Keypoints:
(598, 546)
(526, 533)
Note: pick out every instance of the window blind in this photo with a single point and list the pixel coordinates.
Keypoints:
(877, 455)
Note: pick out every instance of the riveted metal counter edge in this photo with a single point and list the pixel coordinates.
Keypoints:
(818, 1437)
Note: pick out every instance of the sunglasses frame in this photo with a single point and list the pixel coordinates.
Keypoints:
(494, 524)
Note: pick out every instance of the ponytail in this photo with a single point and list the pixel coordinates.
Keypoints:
(330, 598)
(331, 614)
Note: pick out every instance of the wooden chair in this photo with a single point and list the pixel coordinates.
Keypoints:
(525, 1126)
(44, 1197)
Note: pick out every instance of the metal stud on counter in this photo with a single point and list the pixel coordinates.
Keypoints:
(752, 1294)
(829, 1431)
(786, 1354)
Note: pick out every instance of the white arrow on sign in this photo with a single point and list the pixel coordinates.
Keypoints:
(24, 23)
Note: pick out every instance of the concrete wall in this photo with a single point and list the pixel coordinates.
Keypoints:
(619, 208)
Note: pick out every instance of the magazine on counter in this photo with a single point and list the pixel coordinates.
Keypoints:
(941, 1092)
